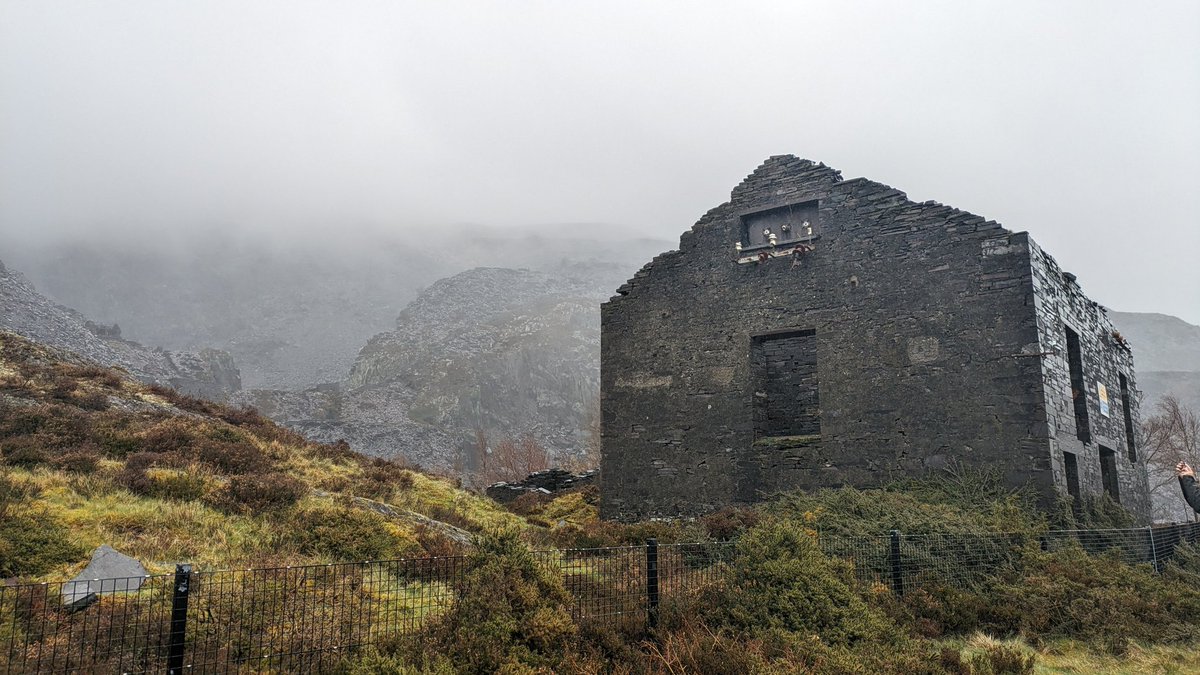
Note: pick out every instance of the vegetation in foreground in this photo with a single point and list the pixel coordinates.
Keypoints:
(91, 457)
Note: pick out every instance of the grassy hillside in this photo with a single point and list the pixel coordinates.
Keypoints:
(91, 456)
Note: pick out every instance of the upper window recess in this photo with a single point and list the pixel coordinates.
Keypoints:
(780, 226)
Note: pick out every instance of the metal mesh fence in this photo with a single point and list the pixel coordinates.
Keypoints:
(306, 618)
(111, 625)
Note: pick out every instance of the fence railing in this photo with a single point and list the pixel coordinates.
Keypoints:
(305, 618)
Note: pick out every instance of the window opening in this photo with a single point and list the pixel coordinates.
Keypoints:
(1108, 473)
(1072, 467)
(1078, 389)
(1125, 406)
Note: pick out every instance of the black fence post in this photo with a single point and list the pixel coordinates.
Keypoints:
(894, 564)
(179, 605)
(652, 583)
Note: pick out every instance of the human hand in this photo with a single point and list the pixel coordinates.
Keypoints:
(1183, 469)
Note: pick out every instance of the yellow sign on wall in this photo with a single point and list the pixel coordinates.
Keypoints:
(1103, 391)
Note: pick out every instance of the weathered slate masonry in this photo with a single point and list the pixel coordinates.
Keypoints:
(814, 332)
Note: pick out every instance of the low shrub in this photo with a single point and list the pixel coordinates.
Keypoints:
(1094, 598)
(382, 477)
(25, 451)
(729, 522)
(375, 661)
(117, 435)
(345, 534)
(257, 493)
(33, 542)
(779, 579)
(166, 476)
(98, 374)
(83, 459)
(512, 613)
(230, 456)
(170, 435)
(529, 504)
(56, 425)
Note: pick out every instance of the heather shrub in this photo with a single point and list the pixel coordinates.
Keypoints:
(170, 435)
(24, 451)
(256, 493)
(345, 534)
(339, 452)
(117, 435)
(98, 374)
(230, 457)
(512, 613)
(381, 477)
(56, 425)
(83, 459)
(729, 522)
(166, 476)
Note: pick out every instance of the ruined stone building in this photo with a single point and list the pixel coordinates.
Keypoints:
(818, 332)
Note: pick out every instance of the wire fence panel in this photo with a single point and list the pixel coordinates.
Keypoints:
(606, 583)
(112, 625)
(307, 618)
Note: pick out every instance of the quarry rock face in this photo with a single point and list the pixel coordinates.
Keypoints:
(816, 332)
(492, 351)
(208, 373)
(1167, 350)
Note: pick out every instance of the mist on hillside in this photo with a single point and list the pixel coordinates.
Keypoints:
(330, 123)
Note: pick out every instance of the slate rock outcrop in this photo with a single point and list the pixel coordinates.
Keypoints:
(207, 373)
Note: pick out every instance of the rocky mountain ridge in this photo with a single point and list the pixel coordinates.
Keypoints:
(489, 353)
(1166, 354)
(292, 310)
(206, 373)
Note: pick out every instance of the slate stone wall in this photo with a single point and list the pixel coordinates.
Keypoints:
(925, 336)
(1061, 304)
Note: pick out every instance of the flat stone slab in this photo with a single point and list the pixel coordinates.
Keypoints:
(109, 572)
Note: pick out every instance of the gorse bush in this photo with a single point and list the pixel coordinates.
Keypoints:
(780, 579)
(954, 503)
(1096, 598)
(511, 615)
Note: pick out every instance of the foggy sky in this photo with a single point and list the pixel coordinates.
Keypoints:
(1076, 121)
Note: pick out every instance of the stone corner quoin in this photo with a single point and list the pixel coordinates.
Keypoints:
(817, 332)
